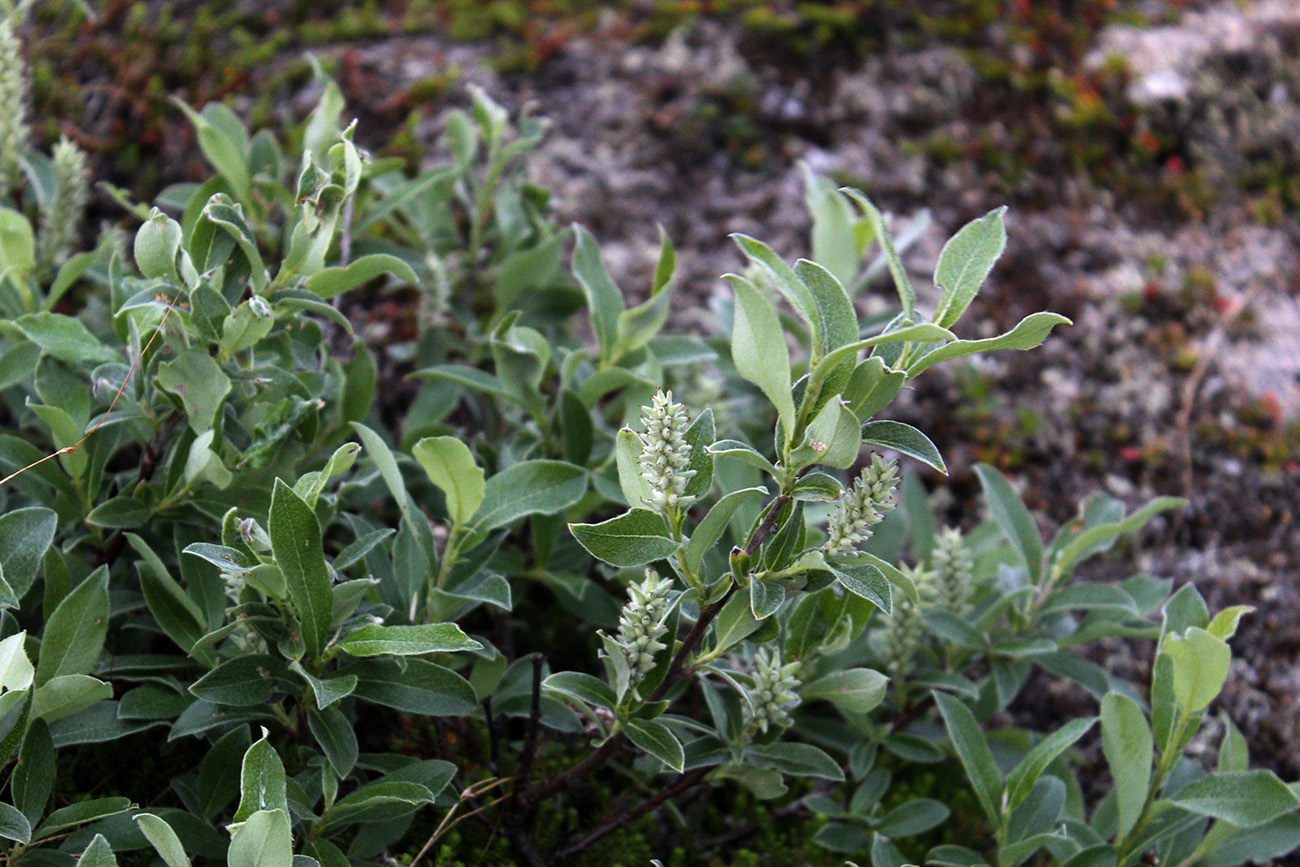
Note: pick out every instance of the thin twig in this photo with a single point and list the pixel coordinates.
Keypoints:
(685, 782)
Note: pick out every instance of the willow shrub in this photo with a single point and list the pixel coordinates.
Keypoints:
(700, 553)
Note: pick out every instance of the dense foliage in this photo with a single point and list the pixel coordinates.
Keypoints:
(570, 552)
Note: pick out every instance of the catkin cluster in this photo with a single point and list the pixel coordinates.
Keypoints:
(642, 623)
(775, 691)
(665, 454)
(862, 507)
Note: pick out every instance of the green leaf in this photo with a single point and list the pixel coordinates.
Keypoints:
(833, 241)
(1012, 518)
(735, 622)
(1126, 742)
(915, 817)
(415, 686)
(335, 281)
(905, 439)
(379, 801)
(743, 452)
(177, 613)
(833, 438)
(163, 839)
(864, 579)
(14, 825)
(451, 467)
(789, 285)
(33, 776)
(758, 348)
(1021, 780)
(25, 536)
(74, 635)
(157, 244)
(1261, 844)
(924, 332)
(634, 538)
(765, 598)
(973, 750)
(467, 377)
(627, 451)
(699, 436)
(201, 385)
(638, 326)
(1200, 667)
(263, 840)
(817, 487)
(119, 513)
(949, 855)
(217, 786)
(16, 671)
(1028, 334)
(67, 694)
(871, 387)
(333, 731)
(583, 687)
(884, 853)
(244, 327)
(79, 814)
(838, 321)
(576, 427)
(1244, 798)
(603, 298)
(797, 760)
(906, 294)
(296, 543)
(261, 781)
(17, 245)
(326, 690)
(98, 854)
(852, 690)
(549, 487)
(1095, 538)
(1224, 624)
(658, 740)
(243, 681)
(965, 262)
(710, 529)
(229, 156)
(374, 640)
(65, 338)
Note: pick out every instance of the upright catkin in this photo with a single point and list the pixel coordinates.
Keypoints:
(14, 130)
(61, 218)
(665, 453)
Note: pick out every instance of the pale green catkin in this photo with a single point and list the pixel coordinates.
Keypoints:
(862, 507)
(906, 631)
(642, 623)
(775, 691)
(14, 130)
(62, 218)
(953, 570)
(665, 454)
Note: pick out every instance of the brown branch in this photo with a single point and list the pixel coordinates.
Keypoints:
(543, 789)
(683, 783)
